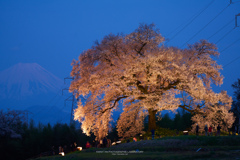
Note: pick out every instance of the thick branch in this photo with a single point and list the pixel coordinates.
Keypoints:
(115, 101)
(192, 111)
(172, 85)
(139, 51)
(141, 88)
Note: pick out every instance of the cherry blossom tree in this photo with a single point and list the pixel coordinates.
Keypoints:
(214, 114)
(146, 77)
(11, 123)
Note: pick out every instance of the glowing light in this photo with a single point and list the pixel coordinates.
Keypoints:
(185, 132)
(62, 153)
(79, 148)
(115, 143)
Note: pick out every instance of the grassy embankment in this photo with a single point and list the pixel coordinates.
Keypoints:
(179, 148)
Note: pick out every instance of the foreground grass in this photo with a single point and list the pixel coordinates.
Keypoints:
(179, 148)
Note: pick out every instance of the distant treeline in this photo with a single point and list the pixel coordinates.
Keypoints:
(37, 140)
(181, 121)
(19, 140)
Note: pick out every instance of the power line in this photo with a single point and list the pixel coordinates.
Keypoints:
(225, 35)
(235, 58)
(236, 2)
(61, 109)
(57, 94)
(62, 119)
(183, 23)
(60, 97)
(47, 110)
(207, 24)
(230, 45)
(231, 62)
(220, 29)
(192, 20)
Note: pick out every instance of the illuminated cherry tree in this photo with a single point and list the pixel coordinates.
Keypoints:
(214, 114)
(138, 72)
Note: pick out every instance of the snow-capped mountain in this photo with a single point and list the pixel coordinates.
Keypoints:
(26, 84)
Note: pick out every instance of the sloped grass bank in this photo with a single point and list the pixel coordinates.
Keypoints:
(182, 147)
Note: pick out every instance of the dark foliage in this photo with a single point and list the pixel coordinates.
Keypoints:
(42, 140)
(181, 121)
(236, 106)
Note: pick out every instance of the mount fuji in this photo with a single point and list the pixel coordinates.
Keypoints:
(28, 86)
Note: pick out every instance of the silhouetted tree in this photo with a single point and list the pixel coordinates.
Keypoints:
(236, 102)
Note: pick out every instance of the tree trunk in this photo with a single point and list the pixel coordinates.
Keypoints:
(151, 119)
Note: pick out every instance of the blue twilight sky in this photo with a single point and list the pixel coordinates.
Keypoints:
(54, 32)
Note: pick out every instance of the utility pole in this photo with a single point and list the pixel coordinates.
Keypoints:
(67, 78)
(24, 115)
(70, 98)
(236, 19)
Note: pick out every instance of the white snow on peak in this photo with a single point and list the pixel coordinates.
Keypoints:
(27, 79)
